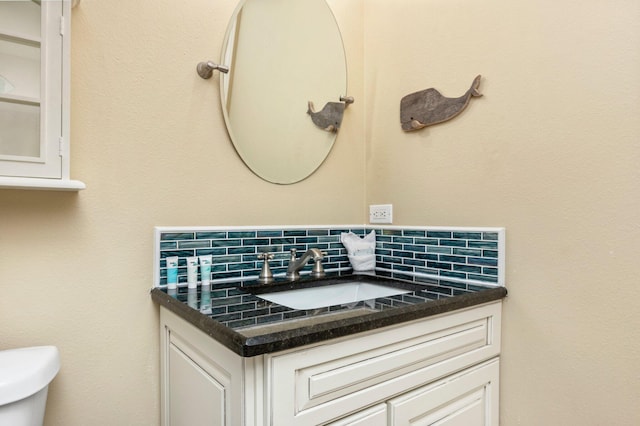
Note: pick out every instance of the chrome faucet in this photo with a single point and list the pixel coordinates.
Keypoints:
(295, 265)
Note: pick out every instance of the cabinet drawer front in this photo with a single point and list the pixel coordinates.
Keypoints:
(364, 369)
(468, 398)
(325, 382)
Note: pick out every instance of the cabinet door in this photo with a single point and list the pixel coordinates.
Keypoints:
(200, 382)
(196, 398)
(31, 74)
(468, 398)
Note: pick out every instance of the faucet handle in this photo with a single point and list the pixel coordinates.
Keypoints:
(294, 255)
(266, 276)
(266, 256)
(318, 269)
(320, 256)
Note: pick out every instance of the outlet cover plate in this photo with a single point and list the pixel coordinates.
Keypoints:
(381, 213)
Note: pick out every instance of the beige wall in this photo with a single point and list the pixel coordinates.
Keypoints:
(551, 152)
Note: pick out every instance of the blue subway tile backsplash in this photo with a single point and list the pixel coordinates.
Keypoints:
(465, 254)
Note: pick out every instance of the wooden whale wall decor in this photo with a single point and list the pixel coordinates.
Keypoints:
(427, 107)
(328, 118)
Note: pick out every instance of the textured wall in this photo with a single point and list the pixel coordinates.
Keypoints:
(551, 152)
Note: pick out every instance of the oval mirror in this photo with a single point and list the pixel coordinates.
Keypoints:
(281, 54)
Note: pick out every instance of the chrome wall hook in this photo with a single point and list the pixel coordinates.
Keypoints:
(205, 69)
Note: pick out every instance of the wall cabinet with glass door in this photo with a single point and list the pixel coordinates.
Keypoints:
(34, 95)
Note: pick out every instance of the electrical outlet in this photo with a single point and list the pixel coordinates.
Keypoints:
(381, 213)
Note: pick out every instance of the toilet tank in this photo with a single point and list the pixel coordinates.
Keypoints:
(25, 375)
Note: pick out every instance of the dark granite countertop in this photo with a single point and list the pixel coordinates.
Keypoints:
(250, 326)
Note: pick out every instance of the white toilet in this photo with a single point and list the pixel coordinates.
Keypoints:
(25, 375)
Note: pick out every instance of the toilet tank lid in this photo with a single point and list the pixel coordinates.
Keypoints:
(25, 371)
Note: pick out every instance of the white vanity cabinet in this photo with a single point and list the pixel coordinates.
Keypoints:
(437, 370)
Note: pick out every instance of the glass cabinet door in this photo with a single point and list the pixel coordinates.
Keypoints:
(20, 70)
(34, 79)
(35, 60)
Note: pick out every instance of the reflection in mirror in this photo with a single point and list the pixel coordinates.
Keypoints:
(281, 54)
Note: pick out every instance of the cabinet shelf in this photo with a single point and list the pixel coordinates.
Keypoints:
(20, 38)
(17, 99)
(41, 184)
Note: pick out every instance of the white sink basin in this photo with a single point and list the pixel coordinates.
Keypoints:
(330, 295)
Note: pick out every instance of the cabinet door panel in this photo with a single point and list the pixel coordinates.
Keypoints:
(20, 19)
(201, 382)
(468, 398)
(19, 131)
(20, 70)
(34, 88)
(196, 397)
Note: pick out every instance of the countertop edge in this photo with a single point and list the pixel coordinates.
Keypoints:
(282, 340)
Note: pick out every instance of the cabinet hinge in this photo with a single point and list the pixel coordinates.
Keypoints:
(62, 26)
(61, 146)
